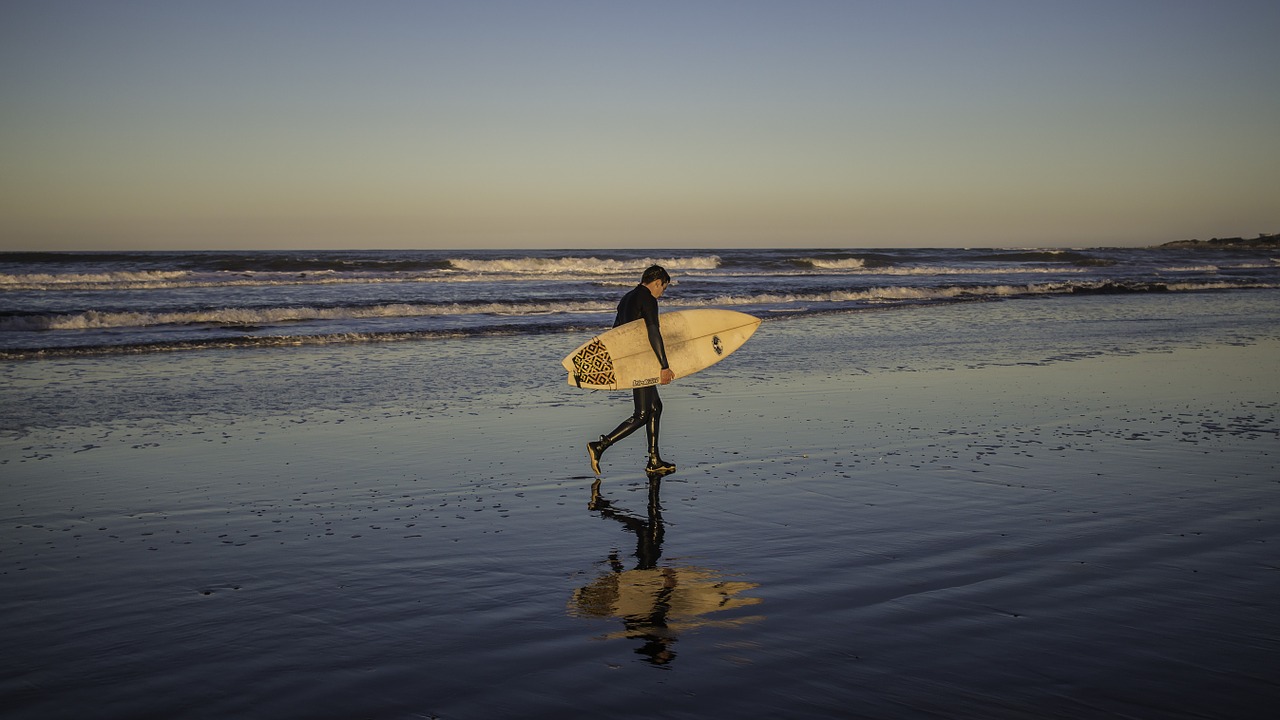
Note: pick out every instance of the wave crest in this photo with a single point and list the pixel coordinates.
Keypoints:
(580, 265)
(52, 281)
(836, 264)
(98, 320)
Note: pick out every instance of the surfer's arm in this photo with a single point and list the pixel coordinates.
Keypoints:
(655, 339)
(650, 313)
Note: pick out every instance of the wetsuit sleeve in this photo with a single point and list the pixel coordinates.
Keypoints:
(649, 311)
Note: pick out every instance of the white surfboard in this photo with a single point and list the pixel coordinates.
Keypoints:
(621, 359)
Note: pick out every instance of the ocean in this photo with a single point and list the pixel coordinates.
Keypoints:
(66, 304)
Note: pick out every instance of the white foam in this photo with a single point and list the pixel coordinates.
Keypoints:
(935, 270)
(463, 270)
(581, 265)
(844, 264)
(244, 278)
(872, 295)
(1194, 287)
(96, 320)
(45, 281)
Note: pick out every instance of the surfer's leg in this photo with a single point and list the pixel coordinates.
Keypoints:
(653, 409)
(637, 420)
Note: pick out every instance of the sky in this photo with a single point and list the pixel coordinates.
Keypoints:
(231, 124)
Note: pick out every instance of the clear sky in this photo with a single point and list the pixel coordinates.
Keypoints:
(170, 124)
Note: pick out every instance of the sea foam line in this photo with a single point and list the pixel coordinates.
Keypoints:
(581, 265)
(272, 341)
(852, 267)
(96, 319)
(185, 279)
(462, 270)
(38, 281)
(102, 319)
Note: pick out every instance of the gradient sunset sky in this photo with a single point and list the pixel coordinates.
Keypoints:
(574, 124)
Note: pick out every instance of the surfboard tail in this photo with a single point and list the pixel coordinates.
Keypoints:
(593, 365)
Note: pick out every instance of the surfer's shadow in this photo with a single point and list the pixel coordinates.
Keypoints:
(655, 602)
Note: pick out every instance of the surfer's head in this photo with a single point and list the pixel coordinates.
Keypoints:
(655, 272)
(656, 279)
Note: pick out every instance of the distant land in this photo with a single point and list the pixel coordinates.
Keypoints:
(1219, 243)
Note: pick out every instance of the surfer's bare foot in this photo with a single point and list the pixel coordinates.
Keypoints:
(658, 466)
(594, 451)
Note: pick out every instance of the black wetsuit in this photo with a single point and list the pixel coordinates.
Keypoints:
(635, 305)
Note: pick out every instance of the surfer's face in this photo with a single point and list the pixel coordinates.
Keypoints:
(657, 287)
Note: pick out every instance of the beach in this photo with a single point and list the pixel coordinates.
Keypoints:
(964, 531)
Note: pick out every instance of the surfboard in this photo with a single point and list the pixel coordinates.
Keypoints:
(621, 359)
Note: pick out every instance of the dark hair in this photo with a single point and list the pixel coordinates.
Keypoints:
(655, 272)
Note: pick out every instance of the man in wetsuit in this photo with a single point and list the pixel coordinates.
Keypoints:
(642, 303)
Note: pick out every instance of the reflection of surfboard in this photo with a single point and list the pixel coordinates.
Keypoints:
(621, 358)
(679, 597)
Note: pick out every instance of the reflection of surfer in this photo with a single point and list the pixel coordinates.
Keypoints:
(655, 603)
(648, 622)
(642, 302)
(648, 532)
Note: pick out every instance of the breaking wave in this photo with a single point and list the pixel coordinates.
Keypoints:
(96, 320)
(452, 271)
(840, 264)
(259, 317)
(554, 266)
(255, 341)
(76, 281)
(142, 301)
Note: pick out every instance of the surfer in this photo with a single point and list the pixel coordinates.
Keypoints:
(642, 303)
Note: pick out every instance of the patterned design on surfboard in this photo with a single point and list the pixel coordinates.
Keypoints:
(593, 366)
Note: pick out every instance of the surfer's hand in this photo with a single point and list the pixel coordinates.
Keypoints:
(666, 376)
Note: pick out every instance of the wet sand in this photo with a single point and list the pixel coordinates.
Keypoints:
(1087, 538)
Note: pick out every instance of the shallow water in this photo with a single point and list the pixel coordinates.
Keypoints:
(954, 528)
(460, 376)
